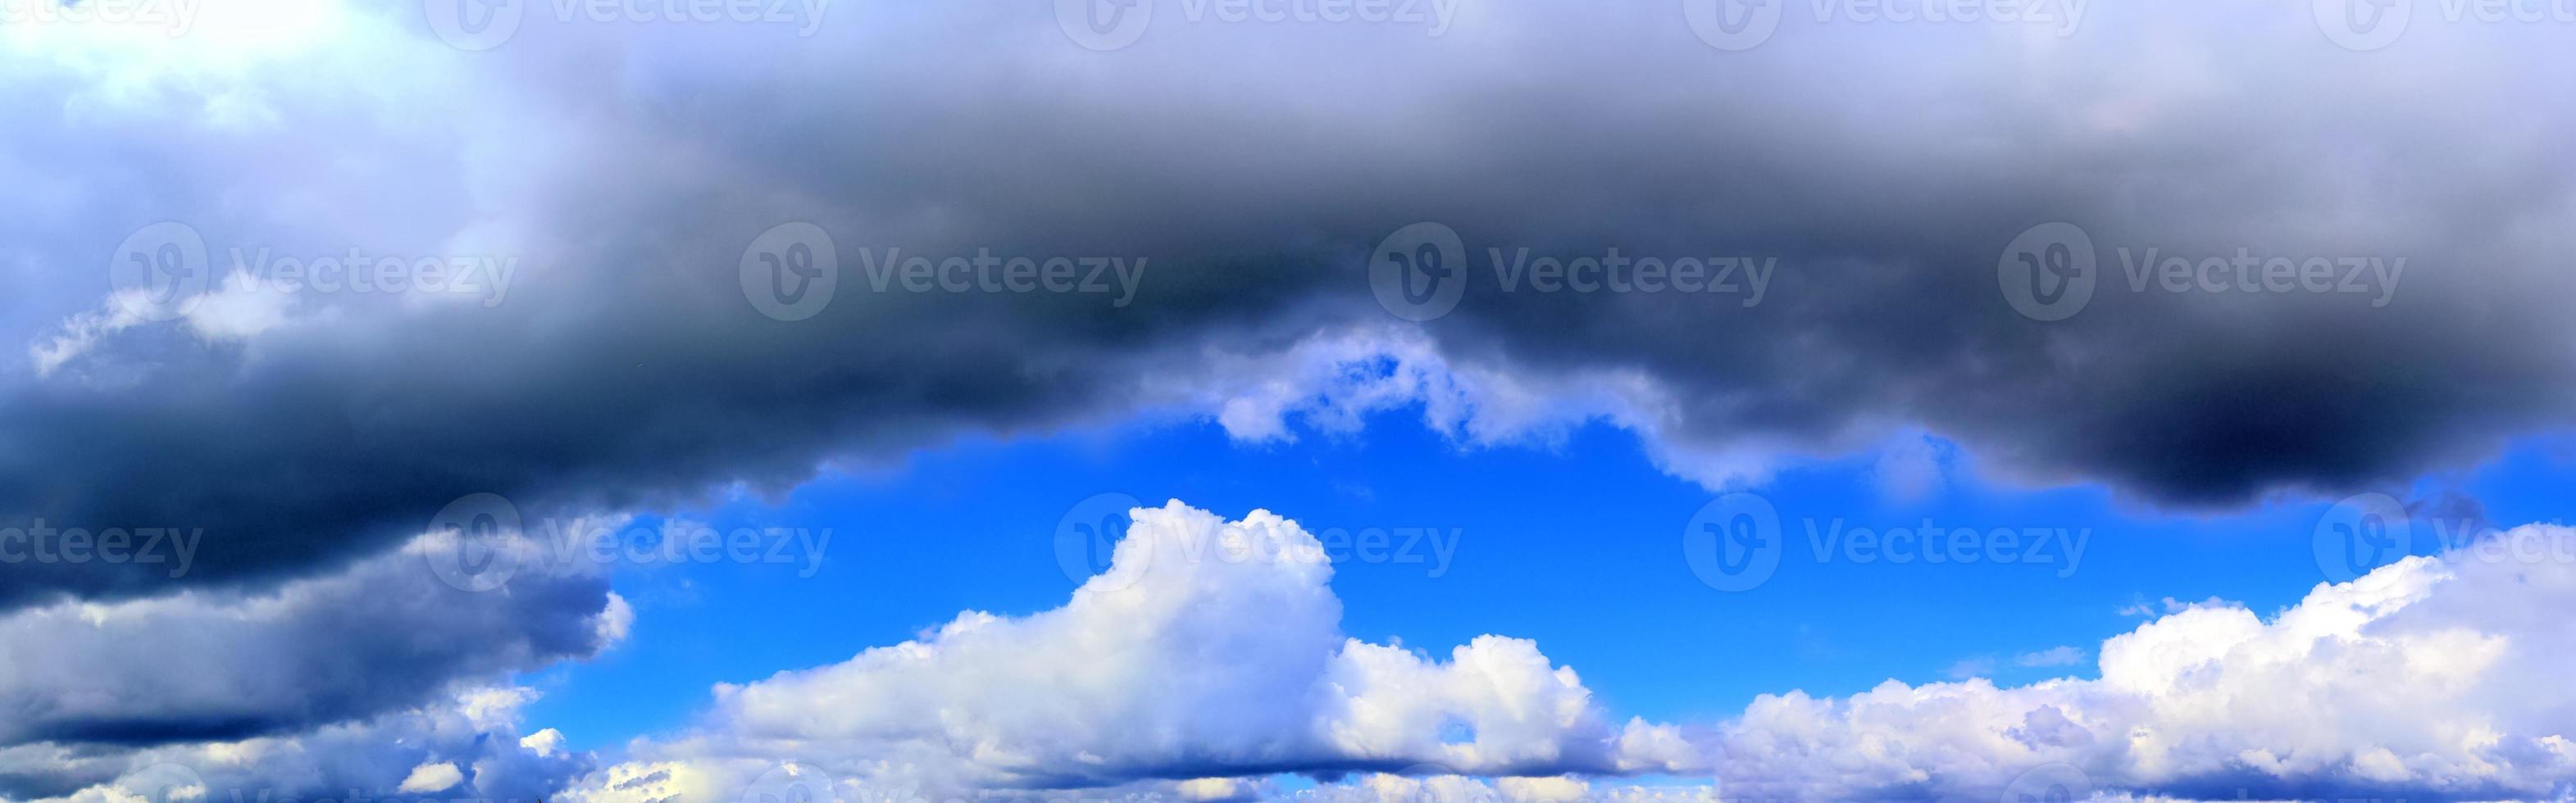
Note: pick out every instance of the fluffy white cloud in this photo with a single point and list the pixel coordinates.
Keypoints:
(1208, 658)
(1209, 648)
(435, 777)
(1331, 381)
(2433, 678)
(1207, 652)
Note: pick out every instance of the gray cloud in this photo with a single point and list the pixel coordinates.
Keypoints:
(477, 731)
(386, 635)
(626, 369)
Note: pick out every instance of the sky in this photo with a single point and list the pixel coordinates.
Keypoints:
(1284, 400)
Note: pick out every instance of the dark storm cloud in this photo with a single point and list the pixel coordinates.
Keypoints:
(1254, 166)
(369, 758)
(385, 636)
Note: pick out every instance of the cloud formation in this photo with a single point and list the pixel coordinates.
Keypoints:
(601, 185)
(2427, 679)
(1209, 648)
(381, 678)
(603, 355)
(471, 739)
(384, 635)
(2423, 680)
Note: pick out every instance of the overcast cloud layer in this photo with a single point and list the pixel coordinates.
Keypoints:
(619, 171)
(603, 183)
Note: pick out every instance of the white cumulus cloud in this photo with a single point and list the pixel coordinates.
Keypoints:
(1210, 648)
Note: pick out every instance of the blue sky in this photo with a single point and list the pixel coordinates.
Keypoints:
(1576, 544)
